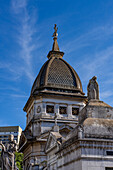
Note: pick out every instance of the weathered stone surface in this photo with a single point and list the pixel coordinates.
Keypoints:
(7, 154)
(93, 89)
(89, 146)
(96, 109)
(82, 140)
(98, 128)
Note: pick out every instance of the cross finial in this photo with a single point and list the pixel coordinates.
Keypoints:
(55, 34)
(55, 44)
(56, 127)
(55, 118)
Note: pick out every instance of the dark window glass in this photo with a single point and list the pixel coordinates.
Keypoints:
(109, 168)
(109, 153)
(49, 109)
(75, 111)
(63, 110)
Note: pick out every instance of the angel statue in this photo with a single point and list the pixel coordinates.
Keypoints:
(7, 154)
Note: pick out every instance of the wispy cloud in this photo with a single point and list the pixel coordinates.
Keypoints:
(96, 59)
(9, 88)
(106, 94)
(4, 65)
(88, 38)
(12, 69)
(97, 50)
(97, 62)
(26, 31)
(19, 95)
(18, 5)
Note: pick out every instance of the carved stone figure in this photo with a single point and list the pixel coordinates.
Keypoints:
(80, 132)
(93, 89)
(56, 127)
(7, 154)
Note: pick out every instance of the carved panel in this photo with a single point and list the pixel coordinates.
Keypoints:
(49, 109)
(63, 110)
(75, 111)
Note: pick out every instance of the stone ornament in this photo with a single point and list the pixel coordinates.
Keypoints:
(38, 109)
(93, 89)
(7, 154)
(55, 118)
(80, 132)
(55, 34)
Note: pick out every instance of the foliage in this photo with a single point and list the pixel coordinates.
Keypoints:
(44, 164)
(19, 160)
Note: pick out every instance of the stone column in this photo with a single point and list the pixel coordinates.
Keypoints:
(69, 111)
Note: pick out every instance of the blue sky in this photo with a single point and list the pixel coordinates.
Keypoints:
(85, 29)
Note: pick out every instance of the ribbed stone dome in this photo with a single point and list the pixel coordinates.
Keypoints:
(57, 73)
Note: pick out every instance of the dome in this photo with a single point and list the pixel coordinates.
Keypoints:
(98, 128)
(56, 74)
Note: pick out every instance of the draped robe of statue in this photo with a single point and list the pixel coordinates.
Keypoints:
(7, 154)
(93, 89)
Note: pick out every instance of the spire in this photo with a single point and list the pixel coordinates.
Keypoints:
(55, 49)
(55, 44)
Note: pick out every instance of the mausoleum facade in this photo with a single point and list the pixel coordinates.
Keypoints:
(89, 146)
(56, 90)
(64, 128)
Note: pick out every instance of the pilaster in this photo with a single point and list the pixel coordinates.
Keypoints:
(69, 110)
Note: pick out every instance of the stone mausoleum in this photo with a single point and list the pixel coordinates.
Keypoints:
(64, 128)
